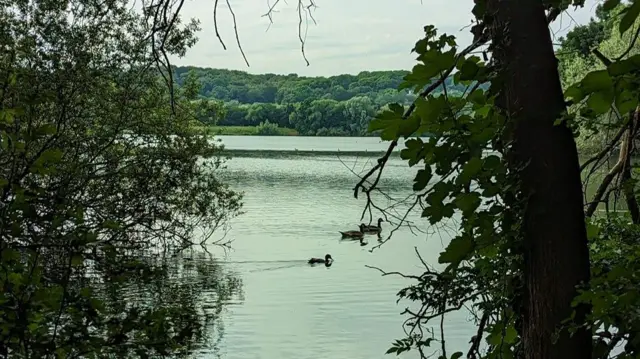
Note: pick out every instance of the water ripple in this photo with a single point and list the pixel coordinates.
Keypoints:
(295, 207)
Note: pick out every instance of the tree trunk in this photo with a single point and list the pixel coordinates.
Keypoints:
(556, 256)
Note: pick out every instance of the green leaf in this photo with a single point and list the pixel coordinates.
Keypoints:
(419, 77)
(61, 353)
(495, 334)
(625, 66)
(510, 335)
(388, 121)
(96, 304)
(109, 224)
(491, 162)
(592, 231)
(422, 178)
(391, 350)
(91, 237)
(469, 170)
(457, 250)
(610, 5)
(51, 155)
(407, 127)
(396, 108)
(630, 15)
(412, 151)
(437, 60)
(468, 202)
(574, 93)
(15, 278)
(468, 70)
(477, 97)
(626, 101)
(483, 111)
(4, 140)
(600, 102)
(456, 355)
(431, 108)
(440, 192)
(448, 210)
(479, 9)
(433, 213)
(596, 81)
(47, 129)
(77, 260)
(85, 292)
(13, 77)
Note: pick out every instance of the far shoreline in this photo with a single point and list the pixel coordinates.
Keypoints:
(253, 131)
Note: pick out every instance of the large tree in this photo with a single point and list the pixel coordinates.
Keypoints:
(544, 160)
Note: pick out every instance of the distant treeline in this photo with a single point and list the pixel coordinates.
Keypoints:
(339, 105)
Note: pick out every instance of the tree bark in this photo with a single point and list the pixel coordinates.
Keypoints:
(556, 256)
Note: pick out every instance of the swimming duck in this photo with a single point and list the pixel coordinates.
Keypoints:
(327, 260)
(354, 234)
(371, 229)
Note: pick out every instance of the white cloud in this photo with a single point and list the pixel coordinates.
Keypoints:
(350, 35)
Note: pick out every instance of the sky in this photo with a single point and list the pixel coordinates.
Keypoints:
(348, 36)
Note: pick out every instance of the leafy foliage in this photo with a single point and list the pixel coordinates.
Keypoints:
(102, 181)
(268, 129)
(462, 172)
(339, 105)
(232, 85)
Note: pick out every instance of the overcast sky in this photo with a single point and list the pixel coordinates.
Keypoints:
(350, 35)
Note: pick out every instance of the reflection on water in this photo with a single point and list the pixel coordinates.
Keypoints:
(295, 206)
(184, 294)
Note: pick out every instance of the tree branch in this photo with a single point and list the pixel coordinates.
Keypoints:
(606, 150)
(383, 160)
(235, 30)
(475, 341)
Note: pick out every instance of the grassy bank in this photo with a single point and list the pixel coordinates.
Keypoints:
(247, 131)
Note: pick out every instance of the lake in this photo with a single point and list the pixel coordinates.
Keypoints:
(298, 195)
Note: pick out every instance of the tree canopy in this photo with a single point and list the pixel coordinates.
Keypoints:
(341, 105)
(381, 87)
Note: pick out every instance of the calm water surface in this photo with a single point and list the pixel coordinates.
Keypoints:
(295, 205)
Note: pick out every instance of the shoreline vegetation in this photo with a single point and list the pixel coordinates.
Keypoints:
(238, 103)
(247, 131)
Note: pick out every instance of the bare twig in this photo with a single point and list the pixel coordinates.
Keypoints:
(269, 13)
(235, 30)
(302, 41)
(393, 273)
(631, 45)
(605, 150)
(215, 24)
(606, 181)
(301, 7)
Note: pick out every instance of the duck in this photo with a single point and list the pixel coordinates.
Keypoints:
(371, 229)
(327, 260)
(354, 234)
